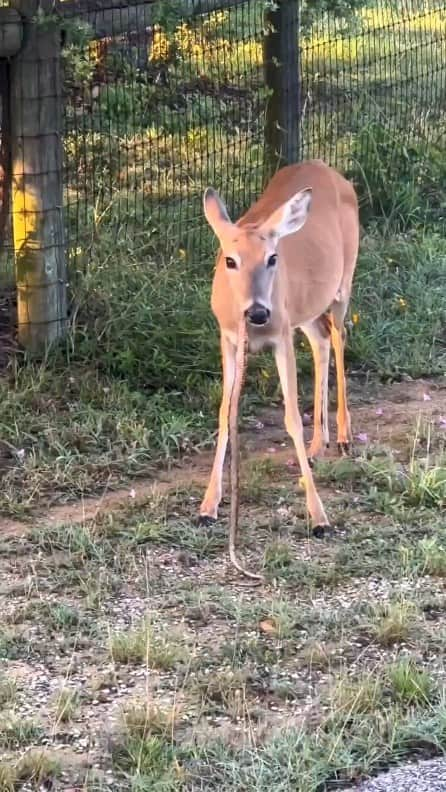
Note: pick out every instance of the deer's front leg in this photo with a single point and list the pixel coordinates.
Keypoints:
(212, 498)
(286, 366)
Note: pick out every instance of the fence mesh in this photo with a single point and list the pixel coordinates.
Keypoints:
(163, 105)
(387, 70)
(159, 104)
(156, 113)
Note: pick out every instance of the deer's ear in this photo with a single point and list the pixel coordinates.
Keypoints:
(216, 213)
(289, 217)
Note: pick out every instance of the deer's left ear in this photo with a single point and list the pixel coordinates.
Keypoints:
(289, 217)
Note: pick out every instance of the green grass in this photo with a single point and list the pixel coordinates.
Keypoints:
(349, 697)
(138, 383)
(303, 762)
(143, 643)
(142, 719)
(15, 732)
(146, 762)
(399, 298)
(409, 684)
(432, 556)
(37, 768)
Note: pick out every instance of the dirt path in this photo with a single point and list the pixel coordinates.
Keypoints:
(383, 414)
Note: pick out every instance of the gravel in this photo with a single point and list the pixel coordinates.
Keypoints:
(429, 776)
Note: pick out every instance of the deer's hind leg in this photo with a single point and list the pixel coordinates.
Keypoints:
(338, 310)
(318, 334)
(337, 314)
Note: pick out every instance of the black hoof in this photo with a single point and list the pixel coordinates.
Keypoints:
(344, 448)
(204, 521)
(319, 531)
(327, 445)
(311, 462)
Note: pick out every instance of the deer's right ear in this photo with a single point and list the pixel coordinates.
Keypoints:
(216, 213)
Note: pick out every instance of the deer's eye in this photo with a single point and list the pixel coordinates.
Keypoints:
(231, 263)
(272, 261)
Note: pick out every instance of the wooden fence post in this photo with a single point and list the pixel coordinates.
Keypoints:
(281, 65)
(37, 182)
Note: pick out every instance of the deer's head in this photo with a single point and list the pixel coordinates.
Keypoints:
(251, 252)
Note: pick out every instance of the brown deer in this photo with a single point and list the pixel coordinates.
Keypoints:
(283, 266)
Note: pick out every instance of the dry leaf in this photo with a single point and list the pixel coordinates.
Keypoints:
(268, 626)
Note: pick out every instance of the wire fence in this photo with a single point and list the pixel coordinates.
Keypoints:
(162, 99)
(155, 113)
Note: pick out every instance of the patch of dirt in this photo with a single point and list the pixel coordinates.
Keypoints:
(385, 414)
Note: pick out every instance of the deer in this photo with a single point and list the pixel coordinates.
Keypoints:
(287, 263)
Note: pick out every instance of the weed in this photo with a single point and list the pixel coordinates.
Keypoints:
(16, 732)
(148, 761)
(280, 619)
(246, 649)
(278, 558)
(141, 720)
(8, 777)
(257, 479)
(394, 623)
(223, 691)
(427, 483)
(105, 679)
(409, 684)
(316, 655)
(13, 645)
(81, 541)
(337, 753)
(144, 644)
(350, 696)
(67, 705)
(65, 617)
(37, 767)
(432, 556)
(8, 691)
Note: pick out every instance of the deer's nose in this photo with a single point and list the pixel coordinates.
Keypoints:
(257, 314)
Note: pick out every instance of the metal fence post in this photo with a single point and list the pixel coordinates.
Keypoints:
(281, 65)
(37, 183)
